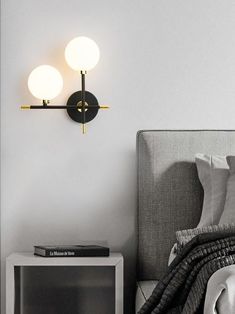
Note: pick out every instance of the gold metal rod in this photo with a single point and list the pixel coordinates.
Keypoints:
(83, 128)
(25, 107)
(104, 107)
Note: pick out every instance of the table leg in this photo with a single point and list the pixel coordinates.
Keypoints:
(10, 288)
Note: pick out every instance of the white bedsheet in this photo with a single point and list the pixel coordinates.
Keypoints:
(220, 295)
(143, 292)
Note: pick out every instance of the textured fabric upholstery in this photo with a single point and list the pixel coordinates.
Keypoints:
(169, 192)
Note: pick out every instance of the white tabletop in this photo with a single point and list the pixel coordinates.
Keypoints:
(29, 259)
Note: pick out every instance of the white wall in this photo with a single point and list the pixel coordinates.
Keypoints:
(164, 64)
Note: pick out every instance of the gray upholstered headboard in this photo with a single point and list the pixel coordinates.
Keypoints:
(169, 192)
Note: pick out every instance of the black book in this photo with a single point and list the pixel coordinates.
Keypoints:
(71, 251)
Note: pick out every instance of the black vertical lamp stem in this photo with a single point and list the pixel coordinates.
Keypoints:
(83, 73)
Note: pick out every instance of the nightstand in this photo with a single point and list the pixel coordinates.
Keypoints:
(36, 285)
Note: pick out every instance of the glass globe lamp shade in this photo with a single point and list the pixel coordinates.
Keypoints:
(45, 82)
(82, 54)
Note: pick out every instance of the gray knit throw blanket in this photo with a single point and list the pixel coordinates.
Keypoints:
(182, 290)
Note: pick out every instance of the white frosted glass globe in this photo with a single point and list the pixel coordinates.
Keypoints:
(82, 54)
(45, 82)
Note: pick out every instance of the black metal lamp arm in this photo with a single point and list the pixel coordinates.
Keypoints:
(83, 73)
(82, 106)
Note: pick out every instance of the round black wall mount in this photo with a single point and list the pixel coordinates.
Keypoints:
(76, 113)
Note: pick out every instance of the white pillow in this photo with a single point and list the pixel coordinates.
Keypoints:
(173, 254)
(228, 215)
(213, 172)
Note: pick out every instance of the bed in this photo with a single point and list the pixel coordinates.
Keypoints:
(170, 194)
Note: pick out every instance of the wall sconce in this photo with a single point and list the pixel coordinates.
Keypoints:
(45, 82)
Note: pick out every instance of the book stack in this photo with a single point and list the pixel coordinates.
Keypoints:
(71, 251)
